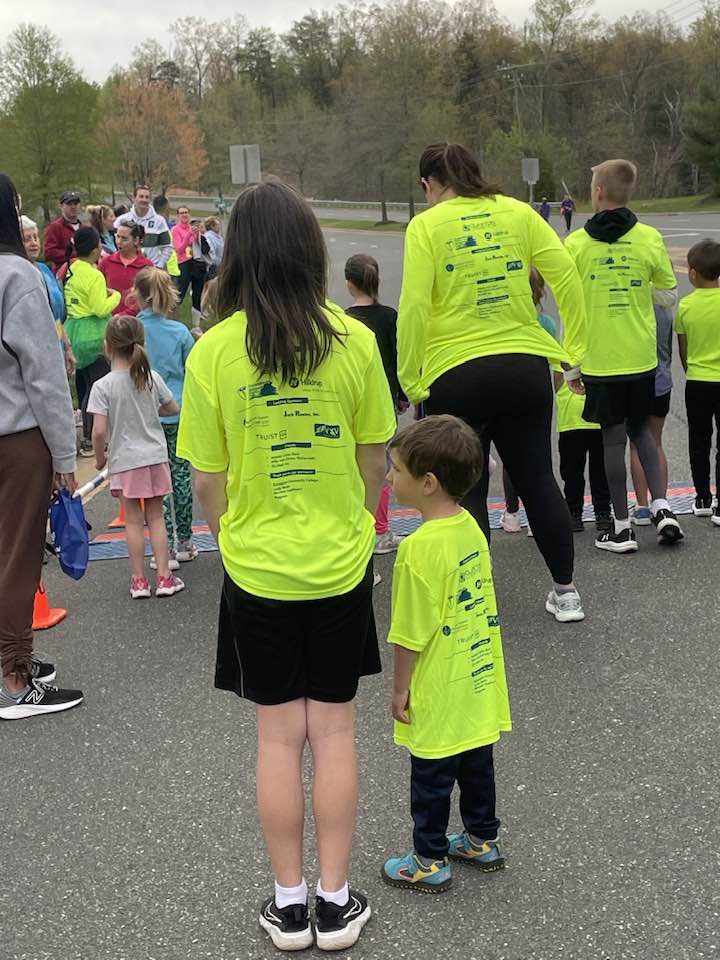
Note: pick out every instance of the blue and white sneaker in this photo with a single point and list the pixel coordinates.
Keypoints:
(640, 516)
(487, 856)
(411, 871)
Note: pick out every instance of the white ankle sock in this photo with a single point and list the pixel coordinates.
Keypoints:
(287, 896)
(621, 525)
(339, 897)
(658, 505)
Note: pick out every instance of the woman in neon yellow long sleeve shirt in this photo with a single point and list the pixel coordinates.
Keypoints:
(89, 305)
(469, 342)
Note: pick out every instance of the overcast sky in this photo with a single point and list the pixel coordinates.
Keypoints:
(99, 35)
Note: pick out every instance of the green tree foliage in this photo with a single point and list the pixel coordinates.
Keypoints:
(343, 101)
(47, 118)
(703, 133)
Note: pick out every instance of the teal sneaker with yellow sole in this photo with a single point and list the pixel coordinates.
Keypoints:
(427, 876)
(487, 855)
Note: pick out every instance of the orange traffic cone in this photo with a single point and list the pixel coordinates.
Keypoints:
(44, 615)
(119, 520)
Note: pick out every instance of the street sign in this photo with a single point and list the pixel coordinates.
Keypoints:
(245, 163)
(530, 169)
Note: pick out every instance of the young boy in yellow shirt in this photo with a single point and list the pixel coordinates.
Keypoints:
(698, 330)
(450, 699)
(624, 268)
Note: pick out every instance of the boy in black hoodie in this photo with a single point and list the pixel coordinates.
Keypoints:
(625, 268)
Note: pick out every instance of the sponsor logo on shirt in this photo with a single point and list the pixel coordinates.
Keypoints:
(330, 431)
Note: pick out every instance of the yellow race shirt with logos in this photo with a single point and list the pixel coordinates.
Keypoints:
(569, 411)
(466, 292)
(618, 279)
(698, 318)
(296, 527)
(443, 607)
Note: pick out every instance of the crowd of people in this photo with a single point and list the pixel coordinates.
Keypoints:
(287, 412)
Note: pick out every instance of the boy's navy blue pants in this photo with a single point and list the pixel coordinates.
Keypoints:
(431, 786)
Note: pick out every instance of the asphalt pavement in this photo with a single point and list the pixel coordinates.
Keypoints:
(129, 829)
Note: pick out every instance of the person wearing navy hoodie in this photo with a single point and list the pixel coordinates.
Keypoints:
(168, 344)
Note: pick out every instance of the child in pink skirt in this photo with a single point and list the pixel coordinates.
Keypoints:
(127, 403)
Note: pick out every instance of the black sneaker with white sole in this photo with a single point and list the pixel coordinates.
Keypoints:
(289, 928)
(39, 698)
(623, 542)
(41, 670)
(668, 529)
(715, 518)
(337, 928)
(703, 507)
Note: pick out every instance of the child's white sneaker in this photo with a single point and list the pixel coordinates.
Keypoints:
(173, 561)
(510, 522)
(186, 551)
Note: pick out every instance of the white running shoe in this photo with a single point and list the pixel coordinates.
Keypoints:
(510, 522)
(173, 561)
(386, 543)
(565, 607)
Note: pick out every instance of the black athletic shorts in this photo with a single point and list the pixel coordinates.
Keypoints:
(661, 406)
(628, 401)
(275, 651)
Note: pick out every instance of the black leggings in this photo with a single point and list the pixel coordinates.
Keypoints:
(508, 400)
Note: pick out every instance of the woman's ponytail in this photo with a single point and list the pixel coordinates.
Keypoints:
(454, 166)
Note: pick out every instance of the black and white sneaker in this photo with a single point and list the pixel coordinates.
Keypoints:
(289, 928)
(703, 507)
(623, 542)
(716, 516)
(668, 529)
(41, 670)
(337, 928)
(39, 698)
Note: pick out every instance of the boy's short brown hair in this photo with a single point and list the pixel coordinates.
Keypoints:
(444, 446)
(618, 177)
(704, 258)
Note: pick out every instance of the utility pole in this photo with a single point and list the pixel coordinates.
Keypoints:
(516, 79)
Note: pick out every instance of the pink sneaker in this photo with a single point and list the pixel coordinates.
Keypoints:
(167, 586)
(139, 588)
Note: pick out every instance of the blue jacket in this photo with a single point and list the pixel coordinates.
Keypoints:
(55, 292)
(168, 343)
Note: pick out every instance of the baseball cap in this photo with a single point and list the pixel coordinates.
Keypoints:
(69, 195)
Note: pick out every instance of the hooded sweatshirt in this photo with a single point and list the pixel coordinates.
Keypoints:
(156, 244)
(623, 265)
(34, 389)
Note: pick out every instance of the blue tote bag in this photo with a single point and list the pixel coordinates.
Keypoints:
(70, 533)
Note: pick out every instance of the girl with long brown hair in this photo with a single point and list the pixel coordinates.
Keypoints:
(286, 412)
(127, 404)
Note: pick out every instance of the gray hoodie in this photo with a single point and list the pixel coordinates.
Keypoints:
(34, 389)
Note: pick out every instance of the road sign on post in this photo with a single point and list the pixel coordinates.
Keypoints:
(245, 163)
(530, 173)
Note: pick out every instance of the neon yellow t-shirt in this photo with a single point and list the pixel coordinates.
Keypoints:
(443, 606)
(296, 527)
(465, 290)
(618, 279)
(569, 415)
(698, 318)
